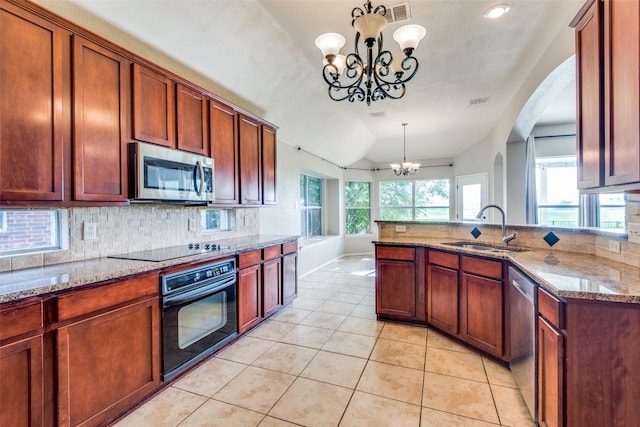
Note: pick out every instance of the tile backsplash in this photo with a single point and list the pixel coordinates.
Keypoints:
(132, 228)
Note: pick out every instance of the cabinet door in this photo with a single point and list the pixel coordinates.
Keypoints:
(481, 316)
(31, 120)
(550, 375)
(271, 286)
(21, 383)
(622, 91)
(153, 107)
(223, 130)
(250, 161)
(191, 110)
(268, 166)
(443, 298)
(108, 363)
(249, 298)
(100, 99)
(289, 278)
(396, 288)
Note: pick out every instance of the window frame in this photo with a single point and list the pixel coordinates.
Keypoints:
(56, 239)
(413, 207)
(350, 208)
(306, 210)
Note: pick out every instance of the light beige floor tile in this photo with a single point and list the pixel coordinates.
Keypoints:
(460, 396)
(336, 369)
(306, 284)
(438, 340)
(368, 300)
(209, 377)
(274, 422)
(307, 303)
(219, 414)
(312, 403)
(433, 418)
(454, 363)
(256, 389)
(399, 353)
(325, 320)
(345, 297)
(374, 411)
(168, 408)
(271, 330)
(341, 308)
(350, 344)
(394, 382)
(498, 374)
(314, 293)
(307, 336)
(357, 325)
(245, 350)
(286, 358)
(405, 333)
(364, 311)
(512, 410)
(291, 315)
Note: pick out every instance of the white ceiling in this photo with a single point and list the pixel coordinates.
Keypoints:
(263, 52)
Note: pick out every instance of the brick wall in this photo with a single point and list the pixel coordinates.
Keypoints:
(26, 230)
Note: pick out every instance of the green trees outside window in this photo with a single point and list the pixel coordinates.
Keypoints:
(357, 196)
(422, 200)
(310, 206)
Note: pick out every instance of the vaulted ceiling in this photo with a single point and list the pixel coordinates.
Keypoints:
(263, 53)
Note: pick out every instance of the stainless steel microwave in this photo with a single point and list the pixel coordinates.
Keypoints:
(168, 175)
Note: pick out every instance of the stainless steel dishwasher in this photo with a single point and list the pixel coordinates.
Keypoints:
(522, 309)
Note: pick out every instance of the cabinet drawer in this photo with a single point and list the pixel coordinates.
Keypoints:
(444, 259)
(289, 248)
(272, 252)
(396, 252)
(551, 308)
(20, 320)
(91, 300)
(246, 259)
(482, 267)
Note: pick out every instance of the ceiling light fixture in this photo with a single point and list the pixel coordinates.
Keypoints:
(376, 75)
(497, 10)
(405, 168)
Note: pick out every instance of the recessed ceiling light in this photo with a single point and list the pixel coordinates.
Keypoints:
(497, 10)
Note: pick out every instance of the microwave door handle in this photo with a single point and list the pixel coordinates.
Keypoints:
(200, 168)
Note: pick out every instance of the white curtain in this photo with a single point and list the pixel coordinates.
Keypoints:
(531, 204)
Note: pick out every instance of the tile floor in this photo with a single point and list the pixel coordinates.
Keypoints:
(326, 361)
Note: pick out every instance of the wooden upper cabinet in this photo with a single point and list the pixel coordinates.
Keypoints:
(250, 148)
(622, 91)
(223, 131)
(269, 166)
(101, 88)
(191, 110)
(31, 107)
(153, 107)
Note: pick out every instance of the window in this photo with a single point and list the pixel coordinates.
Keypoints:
(310, 206)
(471, 195)
(424, 200)
(26, 231)
(611, 211)
(216, 219)
(357, 196)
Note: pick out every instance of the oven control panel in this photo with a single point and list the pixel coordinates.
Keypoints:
(187, 278)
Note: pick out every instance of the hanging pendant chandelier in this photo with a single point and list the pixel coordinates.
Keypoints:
(405, 168)
(377, 75)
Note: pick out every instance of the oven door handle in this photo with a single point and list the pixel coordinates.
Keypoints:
(197, 293)
(198, 169)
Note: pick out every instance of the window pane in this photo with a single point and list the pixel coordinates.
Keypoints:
(358, 221)
(432, 214)
(434, 192)
(29, 231)
(215, 219)
(315, 222)
(557, 181)
(303, 223)
(396, 193)
(314, 191)
(303, 190)
(405, 214)
(471, 200)
(356, 194)
(559, 216)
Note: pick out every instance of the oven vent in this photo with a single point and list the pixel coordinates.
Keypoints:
(479, 101)
(398, 12)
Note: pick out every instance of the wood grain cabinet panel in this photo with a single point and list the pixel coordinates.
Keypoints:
(223, 131)
(482, 314)
(269, 166)
(249, 297)
(550, 375)
(443, 298)
(153, 107)
(271, 286)
(289, 277)
(250, 148)
(31, 107)
(396, 288)
(192, 114)
(101, 88)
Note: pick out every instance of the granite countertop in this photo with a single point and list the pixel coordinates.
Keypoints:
(565, 274)
(15, 285)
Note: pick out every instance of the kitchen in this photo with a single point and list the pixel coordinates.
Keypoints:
(134, 227)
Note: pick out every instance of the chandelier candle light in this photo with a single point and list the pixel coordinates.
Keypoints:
(373, 77)
(405, 168)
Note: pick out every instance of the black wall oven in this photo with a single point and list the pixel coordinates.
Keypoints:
(199, 313)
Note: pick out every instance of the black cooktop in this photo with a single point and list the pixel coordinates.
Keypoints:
(164, 254)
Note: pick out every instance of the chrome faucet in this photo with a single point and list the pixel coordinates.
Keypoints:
(505, 239)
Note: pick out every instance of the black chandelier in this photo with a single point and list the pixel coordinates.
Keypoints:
(371, 78)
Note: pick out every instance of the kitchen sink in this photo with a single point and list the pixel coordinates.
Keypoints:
(484, 247)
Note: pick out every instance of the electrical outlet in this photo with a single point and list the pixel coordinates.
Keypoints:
(401, 228)
(90, 231)
(614, 246)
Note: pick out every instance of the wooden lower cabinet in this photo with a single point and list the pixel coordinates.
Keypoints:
(249, 297)
(481, 314)
(443, 295)
(289, 277)
(107, 363)
(271, 286)
(550, 375)
(396, 289)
